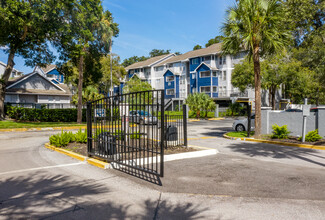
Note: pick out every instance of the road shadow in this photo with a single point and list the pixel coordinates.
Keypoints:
(59, 197)
(277, 151)
(151, 178)
(217, 132)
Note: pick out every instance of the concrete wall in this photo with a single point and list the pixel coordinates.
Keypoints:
(293, 120)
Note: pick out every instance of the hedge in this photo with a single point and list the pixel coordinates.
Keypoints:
(44, 115)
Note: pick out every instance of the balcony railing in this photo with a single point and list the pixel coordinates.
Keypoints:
(232, 93)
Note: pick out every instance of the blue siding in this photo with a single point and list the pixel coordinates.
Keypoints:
(55, 74)
(193, 64)
(169, 85)
(205, 81)
(192, 82)
(130, 75)
(215, 95)
(215, 81)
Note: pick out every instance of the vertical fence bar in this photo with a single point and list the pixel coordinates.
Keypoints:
(89, 128)
(185, 125)
(162, 141)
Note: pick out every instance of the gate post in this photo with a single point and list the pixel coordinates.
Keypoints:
(162, 133)
(185, 124)
(89, 129)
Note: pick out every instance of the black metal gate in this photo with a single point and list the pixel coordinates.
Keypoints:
(127, 131)
(176, 129)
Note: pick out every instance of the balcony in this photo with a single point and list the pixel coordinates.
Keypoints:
(232, 93)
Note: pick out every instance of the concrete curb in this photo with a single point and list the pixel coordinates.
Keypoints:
(277, 143)
(91, 161)
(42, 129)
(209, 119)
(53, 128)
(105, 165)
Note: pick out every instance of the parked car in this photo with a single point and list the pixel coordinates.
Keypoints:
(142, 117)
(242, 124)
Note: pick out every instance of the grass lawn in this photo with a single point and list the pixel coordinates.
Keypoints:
(239, 134)
(8, 124)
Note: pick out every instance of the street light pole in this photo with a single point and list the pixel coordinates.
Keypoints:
(111, 57)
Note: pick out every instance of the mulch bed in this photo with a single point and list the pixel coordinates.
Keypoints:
(296, 141)
(82, 149)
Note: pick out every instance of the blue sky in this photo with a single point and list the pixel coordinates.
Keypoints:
(159, 24)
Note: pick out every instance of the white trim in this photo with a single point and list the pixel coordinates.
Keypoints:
(15, 93)
(21, 80)
(205, 71)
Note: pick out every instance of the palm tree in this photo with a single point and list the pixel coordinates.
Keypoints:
(206, 103)
(193, 101)
(256, 26)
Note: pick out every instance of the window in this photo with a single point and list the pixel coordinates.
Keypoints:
(182, 80)
(224, 75)
(224, 60)
(170, 65)
(131, 71)
(205, 89)
(170, 92)
(169, 78)
(204, 74)
(214, 74)
(195, 61)
(214, 89)
(220, 60)
(207, 58)
(157, 80)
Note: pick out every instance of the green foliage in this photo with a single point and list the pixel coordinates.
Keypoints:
(312, 136)
(215, 40)
(44, 115)
(118, 72)
(81, 136)
(135, 59)
(63, 139)
(198, 102)
(280, 132)
(90, 93)
(157, 52)
(196, 47)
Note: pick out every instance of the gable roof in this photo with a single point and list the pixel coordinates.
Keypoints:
(213, 49)
(175, 74)
(15, 81)
(149, 62)
(203, 63)
(62, 89)
(48, 68)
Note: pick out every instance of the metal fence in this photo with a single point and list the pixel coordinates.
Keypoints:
(127, 131)
(176, 129)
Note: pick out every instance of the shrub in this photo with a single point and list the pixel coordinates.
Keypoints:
(63, 139)
(44, 115)
(280, 132)
(80, 136)
(312, 136)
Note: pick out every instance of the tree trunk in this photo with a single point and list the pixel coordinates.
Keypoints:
(270, 96)
(273, 97)
(4, 81)
(80, 82)
(257, 76)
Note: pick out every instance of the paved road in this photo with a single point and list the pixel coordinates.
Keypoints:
(243, 181)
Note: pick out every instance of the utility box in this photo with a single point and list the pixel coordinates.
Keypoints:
(106, 143)
(171, 133)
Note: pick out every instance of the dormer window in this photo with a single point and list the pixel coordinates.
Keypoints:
(169, 78)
